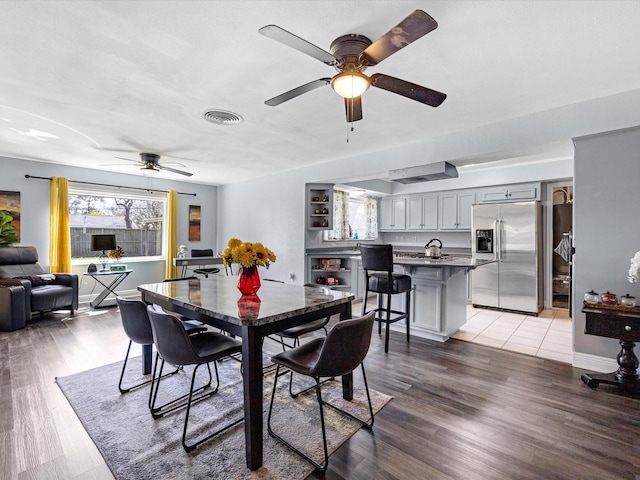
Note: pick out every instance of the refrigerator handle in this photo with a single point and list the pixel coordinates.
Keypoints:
(498, 228)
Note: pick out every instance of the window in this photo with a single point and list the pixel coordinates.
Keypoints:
(354, 218)
(135, 219)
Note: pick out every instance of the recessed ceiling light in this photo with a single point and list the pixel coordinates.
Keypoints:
(222, 117)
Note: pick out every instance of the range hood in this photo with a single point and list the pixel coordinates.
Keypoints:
(424, 173)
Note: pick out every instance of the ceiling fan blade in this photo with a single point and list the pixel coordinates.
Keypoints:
(407, 89)
(409, 30)
(117, 165)
(130, 160)
(281, 35)
(353, 107)
(174, 164)
(307, 87)
(162, 167)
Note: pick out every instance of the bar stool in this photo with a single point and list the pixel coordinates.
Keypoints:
(377, 263)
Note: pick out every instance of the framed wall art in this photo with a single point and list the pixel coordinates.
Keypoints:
(10, 202)
(194, 223)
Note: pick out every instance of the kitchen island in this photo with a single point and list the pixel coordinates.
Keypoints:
(440, 286)
(439, 303)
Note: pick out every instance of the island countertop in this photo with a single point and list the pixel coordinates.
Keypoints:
(468, 263)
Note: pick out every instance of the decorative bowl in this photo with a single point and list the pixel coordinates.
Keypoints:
(609, 298)
(628, 301)
(592, 297)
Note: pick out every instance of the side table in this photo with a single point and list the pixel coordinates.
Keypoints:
(618, 322)
(109, 288)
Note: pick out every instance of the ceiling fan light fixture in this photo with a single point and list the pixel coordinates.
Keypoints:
(149, 169)
(350, 84)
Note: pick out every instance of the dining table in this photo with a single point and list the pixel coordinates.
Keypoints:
(277, 306)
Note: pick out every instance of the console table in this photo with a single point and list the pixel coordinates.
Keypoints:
(618, 322)
(108, 287)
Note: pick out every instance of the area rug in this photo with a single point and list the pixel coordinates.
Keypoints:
(135, 446)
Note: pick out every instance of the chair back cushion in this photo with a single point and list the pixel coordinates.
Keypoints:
(344, 347)
(207, 252)
(377, 257)
(19, 261)
(135, 320)
(171, 339)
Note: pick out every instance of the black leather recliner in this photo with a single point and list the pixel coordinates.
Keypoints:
(42, 292)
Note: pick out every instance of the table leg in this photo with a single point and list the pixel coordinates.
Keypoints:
(108, 289)
(252, 380)
(147, 358)
(625, 376)
(347, 380)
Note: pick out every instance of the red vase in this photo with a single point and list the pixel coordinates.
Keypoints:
(248, 280)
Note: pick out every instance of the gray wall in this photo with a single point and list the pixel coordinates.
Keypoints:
(606, 223)
(34, 212)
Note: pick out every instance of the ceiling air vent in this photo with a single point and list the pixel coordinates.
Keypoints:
(424, 173)
(222, 117)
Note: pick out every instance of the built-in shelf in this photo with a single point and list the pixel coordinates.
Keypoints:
(319, 206)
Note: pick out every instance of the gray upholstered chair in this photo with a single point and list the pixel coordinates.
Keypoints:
(42, 292)
(176, 347)
(339, 353)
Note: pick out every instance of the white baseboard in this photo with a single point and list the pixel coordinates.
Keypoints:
(594, 363)
(110, 300)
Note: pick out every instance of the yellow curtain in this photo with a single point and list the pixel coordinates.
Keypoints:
(172, 233)
(59, 233)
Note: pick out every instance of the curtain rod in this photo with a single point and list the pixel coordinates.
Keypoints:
(150, 190)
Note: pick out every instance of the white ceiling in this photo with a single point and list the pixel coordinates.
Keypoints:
(136, 76)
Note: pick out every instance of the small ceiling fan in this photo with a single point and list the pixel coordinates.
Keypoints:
(351, 54)
(150, 163)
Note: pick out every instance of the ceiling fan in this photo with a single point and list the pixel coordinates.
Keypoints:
(150, 163)
(351, 54)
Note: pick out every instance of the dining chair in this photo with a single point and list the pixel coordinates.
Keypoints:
(178, 348)
(339, 353)
(136, 325)
(202, 270)
(294, 334)
(377, 263)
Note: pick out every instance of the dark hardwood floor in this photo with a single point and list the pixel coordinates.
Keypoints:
(460, 411)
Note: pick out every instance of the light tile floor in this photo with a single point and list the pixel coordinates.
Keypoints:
(548, 335)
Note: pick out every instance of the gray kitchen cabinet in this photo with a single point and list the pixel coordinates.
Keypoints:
(427, 304)
(392, 214)
(510, 193)
(422, 212)
(357, 277)
(455, 210)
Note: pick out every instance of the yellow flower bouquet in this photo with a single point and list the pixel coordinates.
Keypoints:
(247, 254)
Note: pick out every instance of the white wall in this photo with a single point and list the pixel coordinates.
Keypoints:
(34, 212)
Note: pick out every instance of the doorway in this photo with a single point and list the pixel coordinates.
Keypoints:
(562, 242)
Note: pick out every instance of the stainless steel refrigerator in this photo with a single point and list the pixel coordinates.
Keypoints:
(510, 234)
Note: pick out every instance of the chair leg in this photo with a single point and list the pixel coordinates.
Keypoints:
(320, 466)
(124, 366)
(191, 401)
(366, 424)
(175, 404)
(388, 321)
(364, 300)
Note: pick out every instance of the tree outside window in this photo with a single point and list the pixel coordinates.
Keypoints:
(137, 223)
